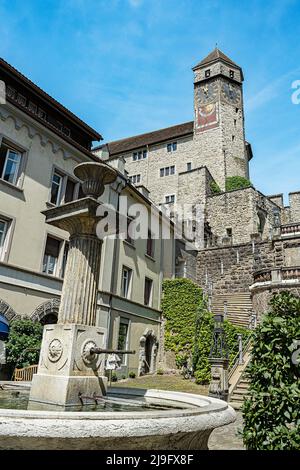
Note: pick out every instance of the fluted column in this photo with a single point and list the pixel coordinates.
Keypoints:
(79, 294)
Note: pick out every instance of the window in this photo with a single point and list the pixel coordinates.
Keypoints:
(10, 161)
(150, 245)
(56, 187)
(64, 261)
(207, 73)
(229, 232)
(70, 190)
(51, 255)
(168, 170)
(140, 155)
(231, 73)
(148, 291)
(126, 282)
(188, 166)
(63, 189)
(172, 147)
(234, 121)
(233, 138)
(170, 199)
(135, 179)
(4, 229)
(123, 338)
(129, 229)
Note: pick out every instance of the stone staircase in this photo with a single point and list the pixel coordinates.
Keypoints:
(238, 382)
(238, 306)
(240, 392)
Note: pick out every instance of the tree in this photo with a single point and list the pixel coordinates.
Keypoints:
(24, 342)
(272, 411)
(236, 182)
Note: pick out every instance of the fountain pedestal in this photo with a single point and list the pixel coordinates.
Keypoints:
(66, 367)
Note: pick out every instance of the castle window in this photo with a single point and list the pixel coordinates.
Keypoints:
(232, 138)
(170, 199)
(140, 155)
(188, 166)
(168, 170)
(172, 147)
(207, 73)
(135, 179)
(234, 122)
(236, 110)
(231, 73)
(229, 232)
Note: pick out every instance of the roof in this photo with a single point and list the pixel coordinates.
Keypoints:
(138, 141)
(51, 101)
(214, 56)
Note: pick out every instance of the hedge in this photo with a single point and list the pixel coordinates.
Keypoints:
(236, 182)
(272, 411)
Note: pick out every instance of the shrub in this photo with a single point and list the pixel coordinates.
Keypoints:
(24, 343)
(215, 188)
(272, 411)
(132, 375)
(236, 182)
(114, 377)
(160, 372)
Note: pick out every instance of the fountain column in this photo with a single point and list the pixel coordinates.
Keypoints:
(66, 367)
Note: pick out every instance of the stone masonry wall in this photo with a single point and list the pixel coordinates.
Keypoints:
(239, 210)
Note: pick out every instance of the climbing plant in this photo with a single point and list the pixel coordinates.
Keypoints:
(215, 188)
(23, 344)
(236, 182)
(272, 411)
(189, 326)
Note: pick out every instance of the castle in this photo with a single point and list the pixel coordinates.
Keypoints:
(251, 245)
(250, 241)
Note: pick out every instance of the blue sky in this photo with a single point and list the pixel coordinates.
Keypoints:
(124, 66)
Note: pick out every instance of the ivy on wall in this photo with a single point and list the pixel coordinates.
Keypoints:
(236, 182)
(189, 326)
(272, 411)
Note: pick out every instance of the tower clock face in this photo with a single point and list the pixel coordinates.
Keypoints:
(231, 93)
(207, 93)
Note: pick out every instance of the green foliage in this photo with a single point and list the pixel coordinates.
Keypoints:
(272, 411)
(24, 342)
(131, 375)
(215, 188)
(189, 327)
(114, 377)
(236, 182)
(160, 372)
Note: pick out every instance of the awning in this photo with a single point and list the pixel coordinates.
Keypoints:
(4, 325)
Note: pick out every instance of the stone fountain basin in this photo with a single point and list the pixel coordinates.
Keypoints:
(175, 429)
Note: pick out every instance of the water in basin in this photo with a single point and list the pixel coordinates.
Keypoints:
(18, 399)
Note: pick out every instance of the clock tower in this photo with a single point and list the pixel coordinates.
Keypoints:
(219, 117)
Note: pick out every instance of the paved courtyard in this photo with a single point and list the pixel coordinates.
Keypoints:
(226, 437)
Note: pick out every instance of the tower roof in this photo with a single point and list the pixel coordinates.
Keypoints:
(214, 56)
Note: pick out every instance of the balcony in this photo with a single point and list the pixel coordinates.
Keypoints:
(276, 276)
(289, 230)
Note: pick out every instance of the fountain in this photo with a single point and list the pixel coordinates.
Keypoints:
(71, 367)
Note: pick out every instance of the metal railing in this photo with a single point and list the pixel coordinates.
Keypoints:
(238, 359)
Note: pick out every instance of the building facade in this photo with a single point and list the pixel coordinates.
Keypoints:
(250, 241)
(40, 144)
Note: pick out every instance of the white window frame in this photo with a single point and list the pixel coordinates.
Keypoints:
(62, 190)
(18, 166)
(127, 294)
(139, 155)
(167, 171)
(5, 237)
(58, 263)
(169, 196)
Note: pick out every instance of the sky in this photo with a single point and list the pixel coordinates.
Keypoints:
(124, 66)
